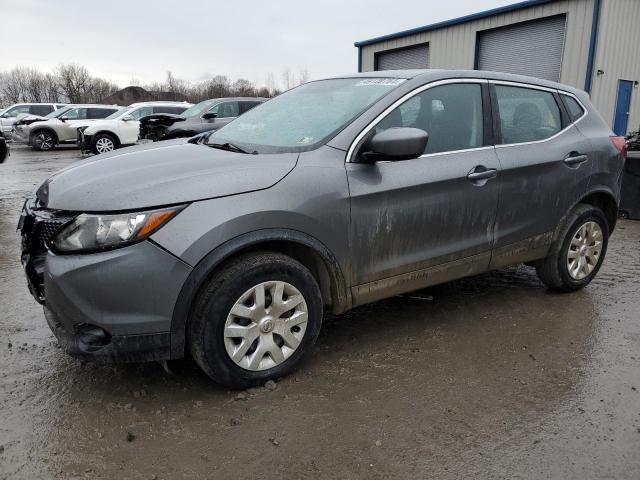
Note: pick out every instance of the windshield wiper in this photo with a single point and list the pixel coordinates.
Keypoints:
(230, 147)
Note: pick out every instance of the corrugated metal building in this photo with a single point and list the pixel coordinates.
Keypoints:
(590, 44)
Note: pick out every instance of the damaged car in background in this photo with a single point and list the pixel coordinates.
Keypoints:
(203, 117)
(123, 127)
(59, 127)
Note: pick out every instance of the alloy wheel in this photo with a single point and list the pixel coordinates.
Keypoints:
(265, 325)
(584, 250)
(44, 141)
(104, 145)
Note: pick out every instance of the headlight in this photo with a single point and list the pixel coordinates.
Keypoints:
(101, 232)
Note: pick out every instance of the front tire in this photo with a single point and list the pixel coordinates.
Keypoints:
(103, 143)
(578, 252)
(255, 319)
(43, 140)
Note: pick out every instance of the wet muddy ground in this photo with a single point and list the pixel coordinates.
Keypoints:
(490, 377)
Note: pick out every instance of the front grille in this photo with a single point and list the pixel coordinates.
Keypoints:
(45, 230)
(38, 228)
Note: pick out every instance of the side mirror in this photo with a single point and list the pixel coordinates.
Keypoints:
(209, 115)
(64, 118)
(127, 118)
(394, 144)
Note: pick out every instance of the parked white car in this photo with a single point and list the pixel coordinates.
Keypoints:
(47, 133)
(9, 114)
(122, 128)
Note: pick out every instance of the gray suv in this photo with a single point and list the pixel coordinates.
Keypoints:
(334, 194)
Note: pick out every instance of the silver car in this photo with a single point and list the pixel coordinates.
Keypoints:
(337, 193)
(60, 127)
(9, 115)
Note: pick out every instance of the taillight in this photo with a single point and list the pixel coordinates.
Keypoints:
(621, 144)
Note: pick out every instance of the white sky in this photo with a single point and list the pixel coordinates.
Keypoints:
(195, 39)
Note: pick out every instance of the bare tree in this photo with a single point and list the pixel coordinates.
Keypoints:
(303, 75)
(288, 80)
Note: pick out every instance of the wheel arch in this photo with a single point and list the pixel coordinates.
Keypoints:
(302, 247)
(605, 200)
(112, 134)
(43, 129)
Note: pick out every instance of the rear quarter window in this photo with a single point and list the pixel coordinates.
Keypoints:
(573, 107)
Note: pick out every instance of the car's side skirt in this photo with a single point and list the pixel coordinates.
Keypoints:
(408, 282)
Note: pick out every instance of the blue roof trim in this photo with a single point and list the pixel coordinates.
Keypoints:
(455, 21)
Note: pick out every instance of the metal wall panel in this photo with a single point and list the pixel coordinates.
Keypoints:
(455, 46)
(527, 48)
(403, 58)
(617, 56)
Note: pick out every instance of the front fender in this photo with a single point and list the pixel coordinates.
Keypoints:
(341, 295)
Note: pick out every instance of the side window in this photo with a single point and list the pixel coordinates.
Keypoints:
(99, 113)
(451, 114)
(527, 114)
(246, 106)
(573, 107)
(141, 112)
(15, 111)
(76, 114)
(168, 109)
(226, 109)
(41, 110)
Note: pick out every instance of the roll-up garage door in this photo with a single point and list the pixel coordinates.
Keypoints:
(403, 58)
(531, 48)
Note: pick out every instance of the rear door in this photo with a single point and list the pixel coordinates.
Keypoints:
(434, 211)
(546, 164)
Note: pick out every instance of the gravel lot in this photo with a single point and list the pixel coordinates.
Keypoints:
(489, 377)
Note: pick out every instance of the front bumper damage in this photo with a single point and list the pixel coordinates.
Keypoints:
(84, 142)
(111, 306)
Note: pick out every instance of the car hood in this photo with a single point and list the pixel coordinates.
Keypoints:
(28, 120)
(158, 174)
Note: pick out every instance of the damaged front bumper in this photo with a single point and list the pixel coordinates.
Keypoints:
(84, 141)
(112, 306)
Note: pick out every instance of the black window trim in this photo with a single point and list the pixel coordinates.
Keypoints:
(553, 91)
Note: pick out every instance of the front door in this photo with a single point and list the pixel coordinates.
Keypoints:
(623, 105)
(422, 221)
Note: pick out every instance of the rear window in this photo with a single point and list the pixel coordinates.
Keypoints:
(573, 107)
(41, 110)
(100, 113)
(168, 109)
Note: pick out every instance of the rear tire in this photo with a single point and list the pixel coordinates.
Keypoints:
(43, 140)
(575, 257)
(104, 143)
(255, 319)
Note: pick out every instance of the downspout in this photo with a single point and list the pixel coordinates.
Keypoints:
(359, 59)
(592, 45)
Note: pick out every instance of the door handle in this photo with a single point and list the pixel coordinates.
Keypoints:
(574, 159)
(478, 175)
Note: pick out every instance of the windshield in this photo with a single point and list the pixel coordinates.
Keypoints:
(197, 109)
(57, 113)
(305, 117)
